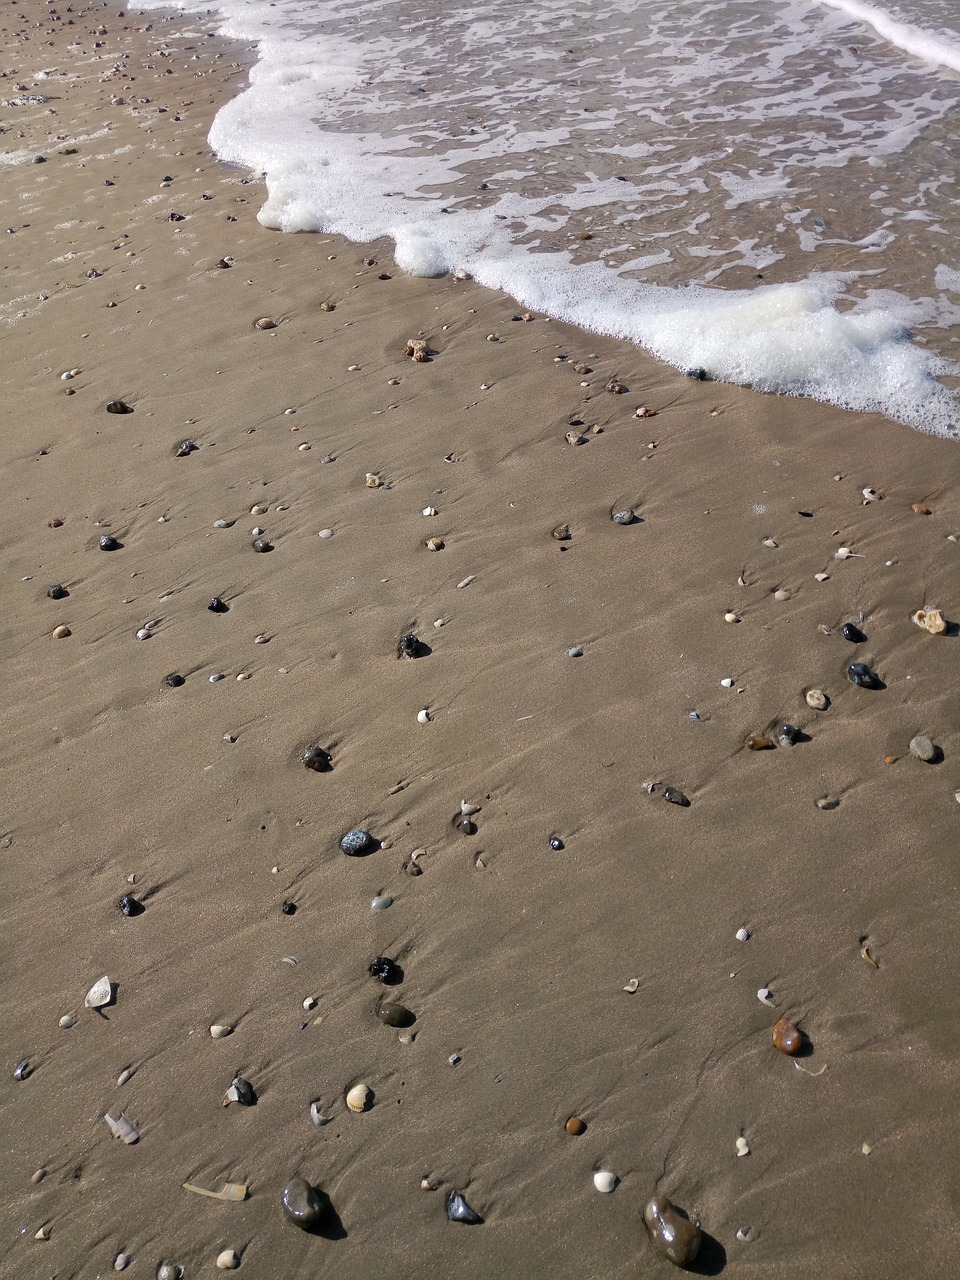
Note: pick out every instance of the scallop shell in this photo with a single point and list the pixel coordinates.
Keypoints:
(743, 935)
(604, 1180)
(358, 1098)
(99, 994)
(265, 322)
(218, 1031)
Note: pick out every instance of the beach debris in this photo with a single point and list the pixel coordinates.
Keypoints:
(261, 545)
(185, 448)
(604, 1180)
(673, 795)
(228, 1260)
(556, 843)
(465, 582)
(416, 349)
(121, 1262)
(61, 632)
(743, 1147)
(67, 1021)
(381, 902)
(756, 742)
(409, 646)
(318, 1115)
(122, 1128)
(742, 935)
(789, 735)
(623, 515)
(615, 387)
(727, 682)
(851, 632)
(561, 533)
(919, 509)
(745, 1235)
(317, 759)
(118, 406)
(644, 412)
(100, 994)
(871, 495)
(358, 1098)
(305, 1206)
(844, 553)
(923, 748)
(434, 544)
(423, 716)
(459, 1211)
(44, 1231)
(817, 699)
(220, 1031)
(241, 1091)
(125, 1075)
(730, 616)
(230, 1192)
(575, 1126)
(429, 511)
(866, 1148)
(58, 591)
(787, 1037)
(265, 322)
(781, 594)
(395, 1015)
(22, 1070)
(130, 906)
(769, 542)
(860, 674)
(828, 802)
(169, 1271)
(674, 1236)
(357, 841)
(764, 996)
(865, 955)
(384, 970)
(575, 651)
(822, 577)
(108, 542)
(806, 1070)
(217, 605)
(574, 437)
(931, 620)
(633, 986)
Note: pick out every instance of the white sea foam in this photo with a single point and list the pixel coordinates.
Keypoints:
(937, 47)
(483, 136)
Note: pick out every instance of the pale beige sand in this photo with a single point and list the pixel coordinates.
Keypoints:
(514, 956)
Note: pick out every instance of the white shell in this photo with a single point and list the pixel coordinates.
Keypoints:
(42, 1234)
(229, 1260)
(822, 577)
(727, 682)
(67, 1021)
(743, 1147)
(429, 511)
(844, 553)
(468, 809)
(125, 1075)
(423, 716)
(121, 1262)
(730, 617)
(144, 633)
(318, 1116)
(871, 495)
(219, 1030)
(604, 1180)
(326, 533)
(743, 935)
(310, 1003)
(769, 542)
(99, 994)
(358, 1097)
(633, 986)
(764, 996)
(256, 531)
(123, 1129)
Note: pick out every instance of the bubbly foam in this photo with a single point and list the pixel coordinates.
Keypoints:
(609, 164)
(938, 47)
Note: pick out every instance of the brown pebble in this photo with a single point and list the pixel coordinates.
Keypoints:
(920, 509)
(757, 743)
(55, 523)
(889, 759)
(787, 1038)
(575, 1126)
(39, 1176)
(61, 633)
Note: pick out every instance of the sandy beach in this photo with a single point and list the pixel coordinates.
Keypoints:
(568, 681)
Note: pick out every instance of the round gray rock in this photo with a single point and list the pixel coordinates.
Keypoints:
(922, 747)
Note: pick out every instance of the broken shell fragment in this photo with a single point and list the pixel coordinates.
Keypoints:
(99, 994)
(67, 1021)
(459, 1211)
(931, 620)
(764, 996)
(844, 553)
(787, 1037)
(231, 1192)
(123, 1129)
(434, 544)
(318, 1115)
(358, 1098)
(574, 437)
(675, 1236)
(373, 481)
(604, 1180)
(125, 1075)
(121, 1262)
(871, 495)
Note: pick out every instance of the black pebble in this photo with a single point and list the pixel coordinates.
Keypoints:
(852, 633)
(186, 447)
(556, 843)
(261, 544)
(289, 908)
(384, 969)
(468, 827)
(459, 1211)
(108, 542)
(129, 905)
(173, 680)
(217, 605)
(176, 217)
(790, 732)
(317, 759)
(676, 797)
(118, 406)
(859, 673)
(699, 375)
(57, 592)
(409, 646)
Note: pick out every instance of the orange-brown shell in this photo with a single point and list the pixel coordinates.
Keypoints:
(787, 1038)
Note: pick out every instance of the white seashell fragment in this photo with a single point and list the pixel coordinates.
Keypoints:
(822, 577)
(764, 996)
(467, 809)
(99, 994)
(633, 986)
(871, 495)
(844, 553)
(744, 1234)
(67, 1021)
(310, 1003)
(727, 682)
(743, 935)
(318, 1115)
(743, 1147)
(472, 577)
(604, 1180)
(220, 1031)
(358, 1098)
(125, 1075)
(123, 1129)
(429, 511)
(326, 533)
(769, 542)
(228, 1260)
(144, 633)
(866, 1148)
(42, 1234)
(121, 1262)
(730, 617)
(423, 716)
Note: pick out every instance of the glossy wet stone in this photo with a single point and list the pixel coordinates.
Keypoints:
(852, 633)
(623, 516)
(409, 646)
(317, 759)
(860, 674)
(676, 796)
(395, 1015)
(57, 591)
(789, 734)
(384, 969)
(288, 908)
(186, 447)
(108, 542)
(556, 843)
(217, 605)
(459, 1211)
(787, 1037)
(118, 406)
(130, 906)
(174, 680)
(305, 1206)
(261, 545)
(357, 841)
(674, 1236)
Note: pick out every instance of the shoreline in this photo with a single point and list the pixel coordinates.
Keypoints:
(515, 956)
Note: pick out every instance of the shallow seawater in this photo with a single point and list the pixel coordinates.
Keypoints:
(764, 189)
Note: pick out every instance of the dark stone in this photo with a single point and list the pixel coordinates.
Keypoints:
(395, 1015)
(186, 447)
(789, 734)
(57, 591)
(317, 759)
(246, 1094)
(262, 545)
(307, 1207)
(409, 646)
(384, 970)
(289, 908)
(556, 843)
(357, 841)
(118, 406)
(467, 826)
(130, 906)
(698, 375)
(859, 673)
(217, 605)
(676, 797)
(852, 633)
(674, 1236)
(174, 680)
(459, 1211)
(108, 542)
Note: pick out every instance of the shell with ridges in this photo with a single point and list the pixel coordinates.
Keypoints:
(358, 1098)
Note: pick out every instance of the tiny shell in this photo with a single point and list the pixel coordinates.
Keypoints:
(730, 617)
(326, 533)
(99, 994)
(764, 996)
(769, 542)
(822, 577)
(318, 1115)
(429, 511)
(743, 1147)
(632, 986)
(920, 509)
(844, 553)
(574, 437)
(228, 1260)
(604, 1180)
(373, 481)
(67, 1021)
(358, 1098)
(219, 1031)
(61, 632)
(423, 716)
(121, 1262)
(871, 495)
(743, 935)
(434, 544)
(265, 322)
(309, 1003)
(42, 1234)
(727, 682)
(125, 1075)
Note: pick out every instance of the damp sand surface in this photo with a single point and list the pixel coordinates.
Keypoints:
(514, 956)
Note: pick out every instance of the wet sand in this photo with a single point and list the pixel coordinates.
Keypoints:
(514, 955)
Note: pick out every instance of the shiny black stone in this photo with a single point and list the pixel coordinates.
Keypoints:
(118, 406)
(289, 908)
(217, 605)
(852, 633)
(129, 905)
(409, 646)
(383, 969)
(261, 544)
(57, 592)
(174, 680)
(108, 542)
(859, 673)
(676, 797)
(556, 843)
(459, 1211)
(317, 759)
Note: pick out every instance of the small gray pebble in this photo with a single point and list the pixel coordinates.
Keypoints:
(922, 747)
(575, 651)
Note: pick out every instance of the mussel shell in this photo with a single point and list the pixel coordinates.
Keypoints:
(459, 1211)
(395, 1015)
(217, 605)
(306, 1206)
(674, 1236)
